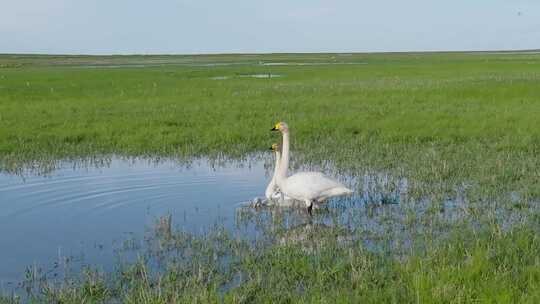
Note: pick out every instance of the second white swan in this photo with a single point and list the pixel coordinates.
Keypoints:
(273, 194)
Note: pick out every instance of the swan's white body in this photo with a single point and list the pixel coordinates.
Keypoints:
(309, 187)
(314, 187)
(273, 194)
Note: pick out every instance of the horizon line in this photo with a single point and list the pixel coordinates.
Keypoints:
(271, 53)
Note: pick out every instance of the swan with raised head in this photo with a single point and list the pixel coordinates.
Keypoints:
(309, 187)
(273, 195)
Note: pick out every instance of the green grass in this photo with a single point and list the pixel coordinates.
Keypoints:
(454, 124)
(443, 118)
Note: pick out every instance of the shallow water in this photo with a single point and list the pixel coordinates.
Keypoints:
(262, 75)
(220, 77)
(248, 76)
(85, 209)
(90, 211)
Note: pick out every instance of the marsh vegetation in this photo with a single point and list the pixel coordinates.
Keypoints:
(447, 143)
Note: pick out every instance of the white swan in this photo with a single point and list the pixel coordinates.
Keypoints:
(272, 192)
(309, 187)
(273, 195)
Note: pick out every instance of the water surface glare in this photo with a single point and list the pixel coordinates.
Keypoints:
(78, 210)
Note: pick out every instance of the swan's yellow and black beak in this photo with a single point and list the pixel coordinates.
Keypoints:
(275, 128)
(274, 147)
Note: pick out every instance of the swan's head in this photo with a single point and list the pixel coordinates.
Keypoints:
(275, 147)
(280, 126)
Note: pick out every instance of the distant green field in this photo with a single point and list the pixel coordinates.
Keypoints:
(458, 126)
(439, 118)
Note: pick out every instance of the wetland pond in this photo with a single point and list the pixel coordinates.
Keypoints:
(87, 210)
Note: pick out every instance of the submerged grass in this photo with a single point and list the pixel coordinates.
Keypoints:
(480, 266)
(458, 127)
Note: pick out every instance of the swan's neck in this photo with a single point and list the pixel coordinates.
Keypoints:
(283, 167)
(271, 186)
(278, 162)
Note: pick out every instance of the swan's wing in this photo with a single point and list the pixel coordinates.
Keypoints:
(313, 185)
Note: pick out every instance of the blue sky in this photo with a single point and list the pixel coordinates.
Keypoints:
(240, 26)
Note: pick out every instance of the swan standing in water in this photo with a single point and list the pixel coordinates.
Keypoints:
(309, 187)
(273, 195)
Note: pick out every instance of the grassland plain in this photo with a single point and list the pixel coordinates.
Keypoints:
(451, 123)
